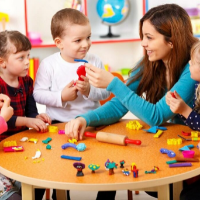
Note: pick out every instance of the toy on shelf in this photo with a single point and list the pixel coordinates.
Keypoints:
(79, 166)
(47, 140)
(35, 38)
(170, 153)
(3, 19)
(93, 167)
(112, 138)
(122, 162)
(126, 172)
(111, 166)
(135, 125)
(79, 147)
(71, 157)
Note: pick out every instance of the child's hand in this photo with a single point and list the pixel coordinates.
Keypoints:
(44, 117)
(75, 128)
(37, 124)
(69, 93)
(177, 105)
(6, 109)
(83, 86)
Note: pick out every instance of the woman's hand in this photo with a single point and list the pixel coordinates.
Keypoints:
(75, 128)
(98, 77)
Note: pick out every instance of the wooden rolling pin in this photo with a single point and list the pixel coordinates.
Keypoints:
(112, 138)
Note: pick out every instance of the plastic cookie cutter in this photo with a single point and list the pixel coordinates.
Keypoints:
(9, 143)
(170, 153)
(186, 134)
(79, 147)
(155, 128)
(81, 70)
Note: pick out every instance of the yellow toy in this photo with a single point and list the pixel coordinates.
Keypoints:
(174, 141)
(3, 19)
(158, 134)
(135, 125)
(33, 140)
(53, 129)
(73, 141)
(194, 134)
(9, 143)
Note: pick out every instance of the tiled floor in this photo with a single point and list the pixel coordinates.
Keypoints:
(91, 195)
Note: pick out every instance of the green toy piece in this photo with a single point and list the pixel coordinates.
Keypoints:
(93, 167)
(111, 166)
(47, 140)
(48, 146)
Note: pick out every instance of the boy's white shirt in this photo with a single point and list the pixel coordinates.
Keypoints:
(53, 75)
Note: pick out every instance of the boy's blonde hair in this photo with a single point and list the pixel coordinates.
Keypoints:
(66, 17)
(195, 55)
(20, 41)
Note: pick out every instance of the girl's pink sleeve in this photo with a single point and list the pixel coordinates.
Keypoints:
(3, 125)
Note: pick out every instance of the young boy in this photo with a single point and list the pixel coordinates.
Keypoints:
(55, 86)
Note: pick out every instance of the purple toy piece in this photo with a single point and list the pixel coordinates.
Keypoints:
(180, 165)
(170, 153)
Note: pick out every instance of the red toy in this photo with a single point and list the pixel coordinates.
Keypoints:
(81, 71)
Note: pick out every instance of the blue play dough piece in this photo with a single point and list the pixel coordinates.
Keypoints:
(161, 128)
(64, 146)
(152, 130)
(71, 157)
(81, 60)
(187, 147)
(81, 147)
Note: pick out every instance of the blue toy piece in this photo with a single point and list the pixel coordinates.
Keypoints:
(71, 157)
(80, 60)
(187, 147)
(154, 129)
(170, 153)
(79, 147)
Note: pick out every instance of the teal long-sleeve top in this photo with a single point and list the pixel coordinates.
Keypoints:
(126, 100)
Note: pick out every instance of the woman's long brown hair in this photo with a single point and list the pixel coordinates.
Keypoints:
(174, 24)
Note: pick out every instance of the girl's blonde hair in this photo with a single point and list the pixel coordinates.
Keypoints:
(195, 55)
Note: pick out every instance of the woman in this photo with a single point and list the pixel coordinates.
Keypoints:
(166, 35)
